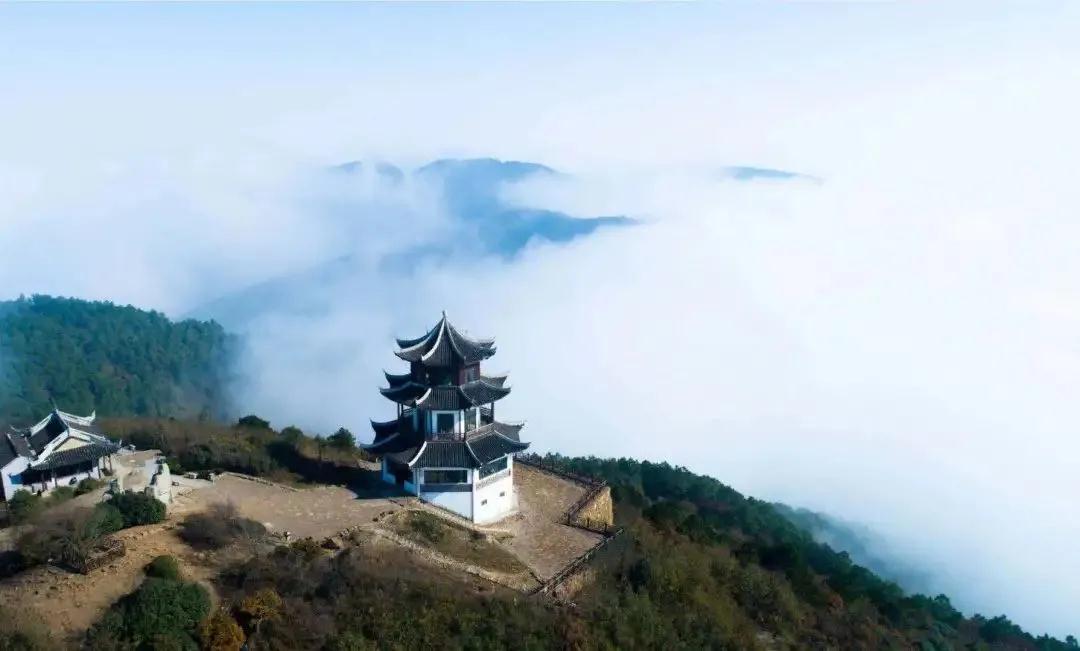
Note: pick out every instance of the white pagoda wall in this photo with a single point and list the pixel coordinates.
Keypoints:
(460, 502)
(498, 493)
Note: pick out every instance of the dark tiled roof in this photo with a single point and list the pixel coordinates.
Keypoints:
(7, 450)
(479, 392)
(470, 394)
(493, 445)
(449, 398)
(494, 380)
(397, 380)
(446, 454)
(21, 445)
(511, 432)
(384, 429)
(82, 454)
(442, 344)
(409, 343)
(55, 427)
(405, 394)
(403, 456)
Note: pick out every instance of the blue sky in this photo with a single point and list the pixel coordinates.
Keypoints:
(561, 81)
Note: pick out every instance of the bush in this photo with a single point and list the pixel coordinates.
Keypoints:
(88, 485)
(426, 526)
(24, 506)
(342, 439)
(253, 421)
(161, 614)
(67, 537)
(164, 567)
(220, 632)
(138, 508)
(220, 526)
(60, 494)
(110, 519)
(292, 435)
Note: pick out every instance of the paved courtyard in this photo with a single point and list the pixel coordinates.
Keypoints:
(540, 540)
(317, 512)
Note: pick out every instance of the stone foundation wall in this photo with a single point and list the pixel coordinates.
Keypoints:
(598, 512)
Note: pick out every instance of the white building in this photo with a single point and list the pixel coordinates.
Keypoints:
(445, 445)
(60, 450)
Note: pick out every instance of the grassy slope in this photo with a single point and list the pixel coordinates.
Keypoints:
(700, 567)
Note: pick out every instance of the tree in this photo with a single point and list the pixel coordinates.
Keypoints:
(292, 435)
(262, 605)
(253, 421)
(116, 359)
(220, 632)
(343, 440)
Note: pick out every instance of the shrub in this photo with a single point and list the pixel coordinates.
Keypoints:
(24, 506)
(218, 526)
(264, 604)
(108, 519)
(253, 421)
(220, 632)
(67, 537)
(426, 526)
(342, 439)
(60, 494)
(160, 614)
(164, 567)
(138, 508)
(88, 485)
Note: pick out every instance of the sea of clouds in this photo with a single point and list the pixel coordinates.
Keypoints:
(903, 354)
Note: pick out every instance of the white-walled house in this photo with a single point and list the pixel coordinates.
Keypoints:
(445, 445)
(60, 450)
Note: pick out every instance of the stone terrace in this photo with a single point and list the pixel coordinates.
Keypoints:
(540, 539)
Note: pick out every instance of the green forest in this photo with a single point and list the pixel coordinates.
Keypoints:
(116, 359)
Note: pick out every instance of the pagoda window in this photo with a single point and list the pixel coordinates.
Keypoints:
(439, 376)
(471, 422)
(446, 476)
(444, 423)
(493, 467)
(470, 373)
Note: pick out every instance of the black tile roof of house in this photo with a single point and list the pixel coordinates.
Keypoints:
(90, 452)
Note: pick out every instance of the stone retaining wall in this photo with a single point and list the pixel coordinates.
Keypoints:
(597, 512)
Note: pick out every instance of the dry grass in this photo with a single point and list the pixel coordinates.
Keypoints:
(457, 542)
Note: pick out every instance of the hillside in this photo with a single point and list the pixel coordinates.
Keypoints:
(698, 566)
(117, 359)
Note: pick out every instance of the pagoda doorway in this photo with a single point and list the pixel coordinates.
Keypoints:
(402, 474)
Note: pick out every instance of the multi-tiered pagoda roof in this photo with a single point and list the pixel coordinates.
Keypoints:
(444, 376)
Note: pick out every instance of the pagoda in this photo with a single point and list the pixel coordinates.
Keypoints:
(445, 445)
